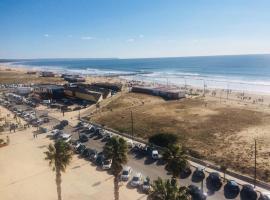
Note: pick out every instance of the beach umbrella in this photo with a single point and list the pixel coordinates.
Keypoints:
(198, 175)
(231, 190)
(213, 182)
(248, 193)
(185, 173)
(196, 193)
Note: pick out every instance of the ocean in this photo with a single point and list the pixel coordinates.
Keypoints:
(242, 72)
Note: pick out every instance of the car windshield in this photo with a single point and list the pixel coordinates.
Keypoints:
(135, 178)
(106, 162)
(146, 183)
(125, 172)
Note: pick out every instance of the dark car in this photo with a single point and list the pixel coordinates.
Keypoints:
(248, 193)
(100, 134)
(86, 153)
(83, 138)
(58, 126)
(231, 190)
(213, 182)
(93, 155)
(64, 123)
(46, 120)
(100, 159)
(80, 149)
(198, 175)
(196, 193)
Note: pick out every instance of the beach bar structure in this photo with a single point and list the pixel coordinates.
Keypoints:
(48, 91)
(117, 87)
(73, 78)
(164, 92)
(84, 94)
(46, 74)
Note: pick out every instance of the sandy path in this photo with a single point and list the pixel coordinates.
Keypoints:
(26, 175)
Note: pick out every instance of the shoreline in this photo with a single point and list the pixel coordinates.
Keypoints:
(212, 82)
(246, 97)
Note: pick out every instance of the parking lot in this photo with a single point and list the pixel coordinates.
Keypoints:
(87, 135)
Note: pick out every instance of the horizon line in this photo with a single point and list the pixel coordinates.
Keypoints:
(126, 58)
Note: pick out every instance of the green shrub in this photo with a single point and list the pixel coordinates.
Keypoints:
(163, 139)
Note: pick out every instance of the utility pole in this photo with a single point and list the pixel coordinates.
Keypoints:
(204, 88)
(255, 162)
(227, 90)
(132, 126)
(79, 117)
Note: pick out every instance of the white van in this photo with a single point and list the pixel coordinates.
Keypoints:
(155, 154)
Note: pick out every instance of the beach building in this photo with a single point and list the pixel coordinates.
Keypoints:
(83, 93)
(106, 93)
(117, 87)
(48, 91)
(46, 74)
(73, 78)
(164, 92)
(23, 90)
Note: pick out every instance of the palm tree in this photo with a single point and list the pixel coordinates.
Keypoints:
(176, 160)
(116, 149)
(168, 190)
(59, 156)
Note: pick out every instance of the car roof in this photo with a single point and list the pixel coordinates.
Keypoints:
(137, 174)
(126, 168)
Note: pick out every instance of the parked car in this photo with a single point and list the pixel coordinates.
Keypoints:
(198, 175)
(93, 155)
(264, 196)
(155, 154)
(83, 138)
(146, 186)
(196, 193)
(126, 173)
(64, 123)
(65, 137)
(86, 153)
(59, 126)
(80, 149)
(46, 120)
(136, 180)
(100, 159)
(107, 164)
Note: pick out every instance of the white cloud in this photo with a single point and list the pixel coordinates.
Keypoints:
(141, 36)
(46, 35)
(70, 36)
(87, 38)
(131, 40)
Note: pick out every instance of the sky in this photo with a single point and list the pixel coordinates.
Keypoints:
(133, 28)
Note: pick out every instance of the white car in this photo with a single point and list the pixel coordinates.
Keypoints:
(146, 186)
(107, 164)
(55, 131)
(126, 173)
(136, 180)
(65, 137)
(265, 195)
(155, 154)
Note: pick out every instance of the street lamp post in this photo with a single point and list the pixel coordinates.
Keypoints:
(255, 162)
(132, 126)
